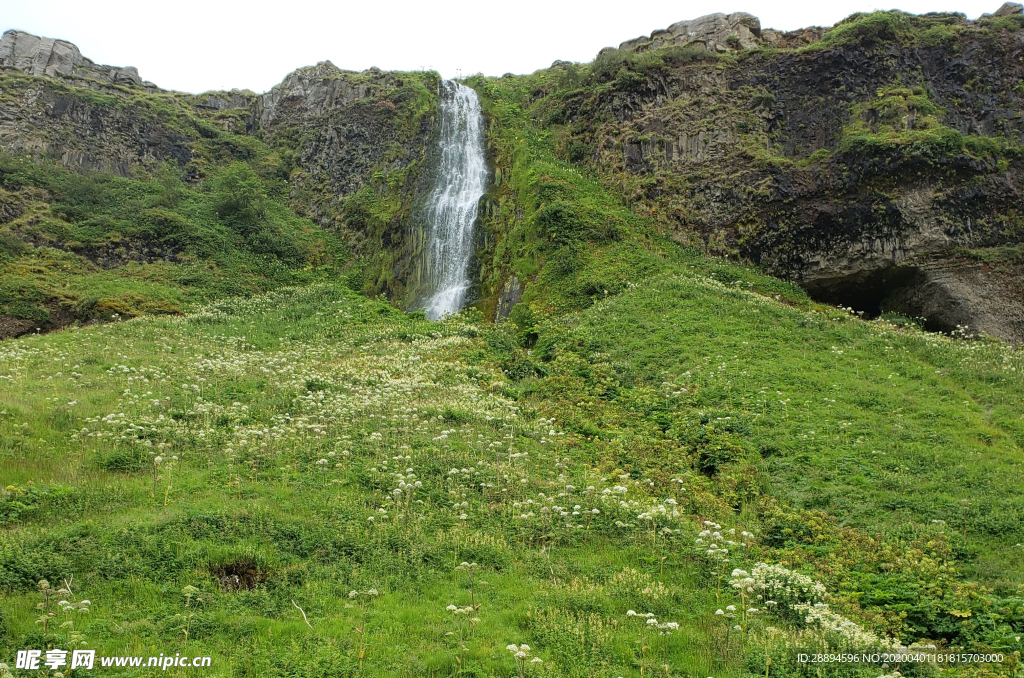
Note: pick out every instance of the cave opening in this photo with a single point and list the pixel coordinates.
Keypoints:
(868, 293)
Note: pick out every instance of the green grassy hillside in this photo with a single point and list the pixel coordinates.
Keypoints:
(87, 247)
(312, 443)
(661, 463)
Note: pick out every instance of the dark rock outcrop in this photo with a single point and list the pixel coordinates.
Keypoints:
(511, 294)
(342, 126)
(874, 170)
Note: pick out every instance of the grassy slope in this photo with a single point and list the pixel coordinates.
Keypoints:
(888, 431)
(273, 509)
(838, 443)
(250, 394)
(97, 244)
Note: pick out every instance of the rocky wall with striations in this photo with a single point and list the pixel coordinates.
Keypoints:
(880, 166)
(341, 128)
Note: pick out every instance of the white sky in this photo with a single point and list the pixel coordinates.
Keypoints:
(199, 45)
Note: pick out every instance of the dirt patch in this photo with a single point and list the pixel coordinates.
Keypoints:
(60, 318)
(241, 575)
(15, 327)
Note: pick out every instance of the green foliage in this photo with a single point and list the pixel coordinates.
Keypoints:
(630, 68)
(239, 198)
(904, 123)
(160, 242)
(550, 215)
(873, 30)
(561, 223)
(1011, 23)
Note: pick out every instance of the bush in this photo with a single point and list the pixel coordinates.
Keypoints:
(12, 245)
(239, 198)
(561, 223)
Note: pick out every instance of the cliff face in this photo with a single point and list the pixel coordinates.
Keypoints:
(879, 167)
(208, 190)
(877, 163)
(336, 127)
(341, 128)
(355, 145)
(56, 104)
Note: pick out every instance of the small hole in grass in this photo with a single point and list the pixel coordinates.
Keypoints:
(240, 575)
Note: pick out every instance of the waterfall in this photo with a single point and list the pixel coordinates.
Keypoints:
(451, 208)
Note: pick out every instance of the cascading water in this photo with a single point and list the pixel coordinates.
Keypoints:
(451, 208)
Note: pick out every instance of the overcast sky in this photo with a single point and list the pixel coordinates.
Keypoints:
(199, 45)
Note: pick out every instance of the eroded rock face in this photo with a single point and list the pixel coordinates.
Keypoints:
(43, 118)
(954, 293)
(40, 121)
(715, 32)
(511, 294)
(57, 58)
(754, 158)
(316, 91)
(344, 123)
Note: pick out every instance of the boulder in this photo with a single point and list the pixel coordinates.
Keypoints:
(46, 57)
(1009, 8)
(714, 32)
(125, 76)
(38, 56)
(631, 45)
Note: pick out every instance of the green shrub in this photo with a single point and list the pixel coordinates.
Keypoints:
(561, 223)
(239, 198)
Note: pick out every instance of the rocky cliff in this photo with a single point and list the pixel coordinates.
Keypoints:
(340, 147)
(344, 131)
(48, 57)
(879, 165)
(357, 144)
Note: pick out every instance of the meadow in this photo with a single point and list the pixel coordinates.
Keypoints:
(687, 478)
(661, 464)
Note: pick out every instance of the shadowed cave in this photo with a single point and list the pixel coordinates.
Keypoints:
(906, 290)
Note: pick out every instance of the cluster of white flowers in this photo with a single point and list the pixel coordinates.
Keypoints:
(742, 581)
(80, 606)
(652, 623)
(521, 653)
(455, 609)
(368, 593)
(776, 585)
(717, 542)
(843, 632)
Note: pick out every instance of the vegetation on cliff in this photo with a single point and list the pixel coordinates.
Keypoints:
(89, 247)
(202, 208)
(857, 165)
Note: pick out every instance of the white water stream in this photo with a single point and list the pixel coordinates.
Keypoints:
(452, 206)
